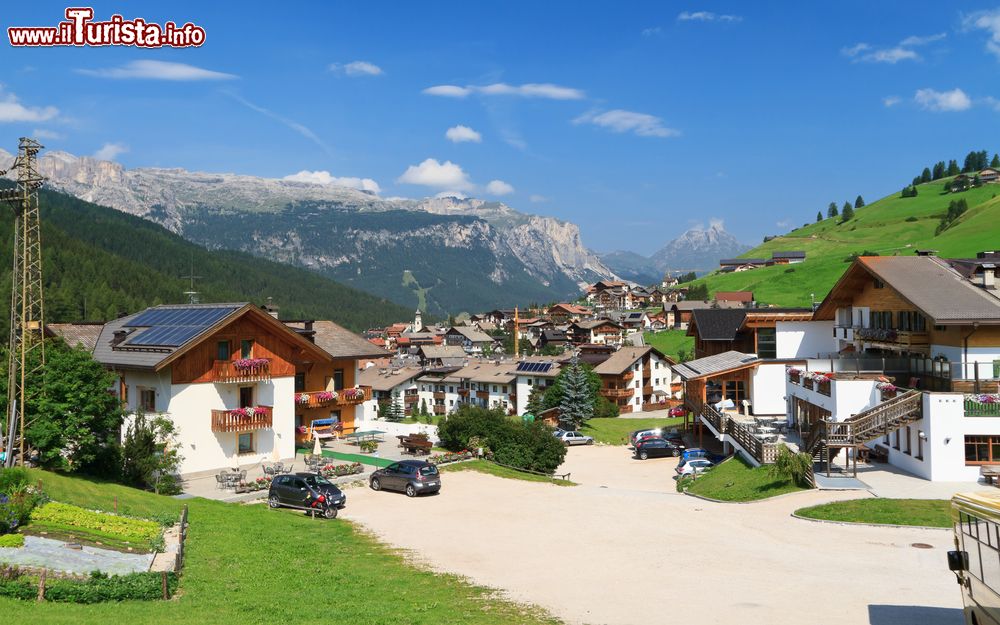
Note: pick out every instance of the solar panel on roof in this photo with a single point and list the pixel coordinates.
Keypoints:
(172, 327)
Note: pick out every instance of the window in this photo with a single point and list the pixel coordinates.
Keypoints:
(245, 443)
(494, 388)
(246, 396)
(222, 350)
(886, 439)
(529, 381)
(895, 443)
(767, 343)
(338, 379)
(300, 382)
(878, 284)
(920, 447)
(147, 399)
(982, 449)
(906, 449)
(246, 348)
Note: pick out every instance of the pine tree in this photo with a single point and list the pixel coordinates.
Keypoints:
(970, 162)
(995, 163)
(847, 207)
(859, 202)
(535, 400)
(396, 412)
(831, 211)
(981, 159)
(925, 176)
(848, 213)
(576, 405)
(939, 170)
(423, 407)
(819, 216)
(953, 169)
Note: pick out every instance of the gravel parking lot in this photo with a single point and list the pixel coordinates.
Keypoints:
(625, 548)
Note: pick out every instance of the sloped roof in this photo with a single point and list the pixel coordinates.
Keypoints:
(84, 335)
(338, 341)
(789, 255)
(694, 304)
(442, 351)
(590, 324)
(621, 360)
(734, 296)
(385, 380)
(929, 283)
(473, 333)
(742, 261)
(488, 372)
(714, 365)
(718, 324)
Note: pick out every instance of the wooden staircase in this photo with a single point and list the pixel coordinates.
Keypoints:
(876, 421)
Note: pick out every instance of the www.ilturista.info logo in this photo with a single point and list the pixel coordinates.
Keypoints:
(79, 29)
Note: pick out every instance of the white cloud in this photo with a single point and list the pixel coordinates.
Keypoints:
(891, 100)
(460, 134)
(499, 187)
(990, 22)
(942, 101)
(356, 68)
(109, 151)
(432, 173)
(707, 16)
(863, 52)
(618, 120)
(527, 90)
(325, 178)
(290, 123)
(157, 70)
(11, 110)
(655, 31)
(537, 198)
(42, 133)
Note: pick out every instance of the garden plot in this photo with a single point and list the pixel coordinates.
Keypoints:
(58, 555)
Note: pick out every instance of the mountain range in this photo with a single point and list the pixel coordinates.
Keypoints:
(440, 254)
(699, 250)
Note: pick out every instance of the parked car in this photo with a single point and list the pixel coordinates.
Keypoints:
(673, 437)
(693, 466)
(698, 452)
(656, 447)
(413, 477)
(677, 411)
(293, 491)
(575, 438)
(637, 434)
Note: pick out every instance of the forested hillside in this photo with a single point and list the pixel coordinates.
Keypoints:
(100, 263)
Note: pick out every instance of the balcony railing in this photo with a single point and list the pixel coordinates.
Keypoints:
(647, 390)
(343, 397)
(616, 392)
(982, 406)
(439, 410)
(241, 370)
(628, 375)
(482, 394)
(438, 395)
(764, 453)
(903, 338)
(241, 419)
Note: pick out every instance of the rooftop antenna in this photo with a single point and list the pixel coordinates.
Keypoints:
(26, 349)
(191, 293)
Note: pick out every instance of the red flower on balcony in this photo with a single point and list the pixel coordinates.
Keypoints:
(324, 396)
(249, 364)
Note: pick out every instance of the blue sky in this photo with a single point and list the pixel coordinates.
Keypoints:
(633, 120)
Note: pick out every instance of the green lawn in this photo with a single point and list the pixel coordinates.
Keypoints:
(615, 430)
(483, 466)
(246, 564)
(369, 459)
(924, 512)
(671, 342)
(735, 480)
(880, 227)
(434, 419)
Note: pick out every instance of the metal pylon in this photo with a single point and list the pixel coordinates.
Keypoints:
(26, 353)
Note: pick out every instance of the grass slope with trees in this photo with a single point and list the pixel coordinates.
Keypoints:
(100, 263)
(248, 564)
(897, 224)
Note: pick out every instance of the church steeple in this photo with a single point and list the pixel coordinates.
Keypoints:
(418, 323)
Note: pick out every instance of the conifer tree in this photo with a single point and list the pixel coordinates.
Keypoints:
(819, 216)
(577, 404)
(925, 176)
(953, 169)
(535, 400)
(859, 202)
(939, 170)
(831, 211)
(995, 163)
(848, 213)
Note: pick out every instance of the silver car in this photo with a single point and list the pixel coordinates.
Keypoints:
(574, 438)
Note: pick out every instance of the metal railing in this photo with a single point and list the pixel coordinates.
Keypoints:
(742, 433)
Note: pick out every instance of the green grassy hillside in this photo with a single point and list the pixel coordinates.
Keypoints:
(892, 225)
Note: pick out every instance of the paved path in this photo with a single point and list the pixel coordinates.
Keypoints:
(624, 543)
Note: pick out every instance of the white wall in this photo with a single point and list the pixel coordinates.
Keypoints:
(945, 420)
(985, 355)
(190, 409)
(804, 339)
(767, 390)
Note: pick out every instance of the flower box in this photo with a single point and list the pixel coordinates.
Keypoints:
(340, 470)
(450, 456)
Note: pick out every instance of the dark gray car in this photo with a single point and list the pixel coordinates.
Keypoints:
(413, 477)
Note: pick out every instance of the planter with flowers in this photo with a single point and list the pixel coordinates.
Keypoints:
(368, 447)
(887, 389)
(340, 470)
(982, 405)
(450, 456)
(795, 375)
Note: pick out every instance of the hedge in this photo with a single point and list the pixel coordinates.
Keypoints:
(517, 444)
(95, 589)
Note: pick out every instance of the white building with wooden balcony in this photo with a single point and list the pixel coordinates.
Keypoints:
(225, 374)
(915, 375)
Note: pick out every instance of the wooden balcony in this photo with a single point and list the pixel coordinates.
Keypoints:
(439, 410)
(614, 393)
(463, 392)
(343, 397)
(438, 394)
(411, 398)
(241, 419)
(894, 338)
(483, 394)
(628, 375)
(241, 370)
(647, 390)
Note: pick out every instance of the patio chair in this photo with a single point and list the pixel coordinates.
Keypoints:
(220, 482)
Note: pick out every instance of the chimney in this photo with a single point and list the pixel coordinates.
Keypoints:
(271, 308)
(988, 280)
(118, 337)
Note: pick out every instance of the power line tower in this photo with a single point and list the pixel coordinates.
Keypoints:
(26, 353)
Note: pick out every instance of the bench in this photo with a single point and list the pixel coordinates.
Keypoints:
(990, 473)
(415, 444)
(879, 454)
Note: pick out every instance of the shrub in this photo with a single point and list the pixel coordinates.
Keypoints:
(791, 466)
(96, 589)
(911, 218)
(368, 446)
(790, 270)
(149, 455)
(14, 479)
(514, 443)
(12, 540)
